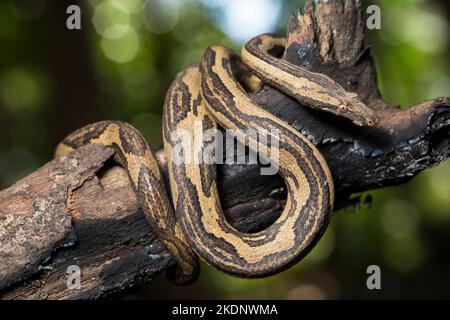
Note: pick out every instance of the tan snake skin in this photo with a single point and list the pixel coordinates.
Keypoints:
(191, 223)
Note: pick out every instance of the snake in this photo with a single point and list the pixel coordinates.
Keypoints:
(184, 210)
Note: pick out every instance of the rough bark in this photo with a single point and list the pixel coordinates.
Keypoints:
(81, 210)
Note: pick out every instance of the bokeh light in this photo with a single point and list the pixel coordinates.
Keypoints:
(21, 90)
(121, 48)
(244, 19)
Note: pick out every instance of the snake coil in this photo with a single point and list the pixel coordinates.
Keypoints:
(191, 223)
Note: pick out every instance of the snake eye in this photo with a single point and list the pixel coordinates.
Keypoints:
(342, 108)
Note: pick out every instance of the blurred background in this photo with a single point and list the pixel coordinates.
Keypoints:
(119, 66)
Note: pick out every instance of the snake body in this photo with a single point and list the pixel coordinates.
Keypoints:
(191, 223)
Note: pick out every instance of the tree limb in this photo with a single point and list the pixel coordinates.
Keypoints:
(81, 210)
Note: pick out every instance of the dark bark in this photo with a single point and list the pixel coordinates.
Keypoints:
(114, 246)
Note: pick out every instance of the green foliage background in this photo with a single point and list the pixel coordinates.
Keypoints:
(134, 50)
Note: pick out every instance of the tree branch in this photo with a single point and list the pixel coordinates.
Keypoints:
(81, 210)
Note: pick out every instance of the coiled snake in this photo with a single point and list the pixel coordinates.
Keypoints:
(191, 221)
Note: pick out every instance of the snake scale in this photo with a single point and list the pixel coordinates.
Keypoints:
(190, 222)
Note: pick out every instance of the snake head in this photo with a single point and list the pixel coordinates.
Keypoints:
(329, 96)
(352, 108)
(323, 93)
